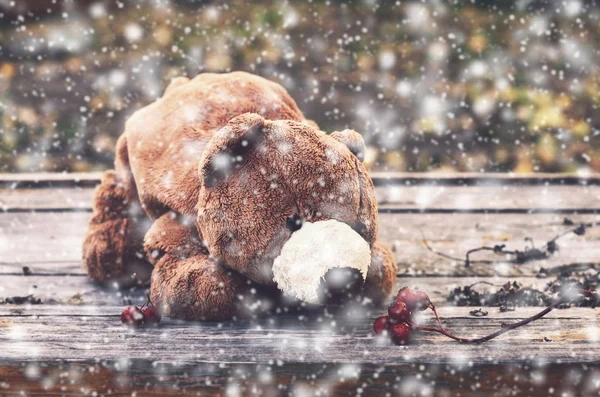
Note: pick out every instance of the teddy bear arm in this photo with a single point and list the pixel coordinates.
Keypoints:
(381, 275)
(186, 283)
(197, 288)
(174, 234)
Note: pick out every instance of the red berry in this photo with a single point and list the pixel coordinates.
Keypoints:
(400, 333)
(132, 316)
(151, 315)
(415, 300)
(399, 311)
(381, 324)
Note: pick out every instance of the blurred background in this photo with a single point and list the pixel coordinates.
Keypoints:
(466, 86)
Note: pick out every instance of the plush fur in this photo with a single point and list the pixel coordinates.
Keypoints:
(210, 173)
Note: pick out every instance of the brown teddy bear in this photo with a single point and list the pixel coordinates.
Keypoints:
(227, 189)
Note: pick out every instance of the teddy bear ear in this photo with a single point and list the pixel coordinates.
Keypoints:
(353, 140)
(228, 148)
(176, 82)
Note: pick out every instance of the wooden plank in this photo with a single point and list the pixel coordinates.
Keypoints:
(78, 319)
(354, 320)
(43, 268)
(62, 289)
(65, 289)
(482, 179)
(46, 241)
(49, 179)
(51, 199)
(489, 198)
(42, 237)
(133, 378)
(379, 178)
(455, 234)
(492, 198)
(88, 333)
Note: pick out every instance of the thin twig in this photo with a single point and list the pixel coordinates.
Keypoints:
(528, 254)
(426, 243)
(483, 282)
(491, 336)
(437, 317)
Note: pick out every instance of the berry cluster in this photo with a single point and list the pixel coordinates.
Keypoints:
(147, 314)
(134, 316)
(398, 323)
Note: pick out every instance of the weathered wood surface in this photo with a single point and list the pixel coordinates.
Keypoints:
(491, 198)
(88, 333)
(46, 199)
(126, 378)
(51, 241)
(392, 198)
(54, 179)
(67, 288)
(42, 219)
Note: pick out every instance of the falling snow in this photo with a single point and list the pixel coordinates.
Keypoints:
(432, 86)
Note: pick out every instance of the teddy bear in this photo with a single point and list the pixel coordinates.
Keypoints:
(230, 193)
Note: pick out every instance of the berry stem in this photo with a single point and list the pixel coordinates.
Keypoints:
(505, 328)
(148, 301)
(134, 275)
(437, 317)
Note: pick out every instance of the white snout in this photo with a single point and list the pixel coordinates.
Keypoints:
(314, 250)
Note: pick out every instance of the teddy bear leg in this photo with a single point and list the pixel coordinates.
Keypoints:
(111, 240)
(112, 245)
(381, 275)
(186, 283)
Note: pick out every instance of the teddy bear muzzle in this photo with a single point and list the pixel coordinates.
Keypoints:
(325, 250)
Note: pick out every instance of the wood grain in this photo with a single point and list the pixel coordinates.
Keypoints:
(483, 179)
(126, 378)
(49, 179)
(392, 198)
(47, 241)
(491, 198)
(44, 179)
(41, 237)
(61, 289)
(87, 333)
(73, 343)
(54, 199)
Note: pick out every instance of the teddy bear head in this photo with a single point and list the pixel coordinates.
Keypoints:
(284, 203)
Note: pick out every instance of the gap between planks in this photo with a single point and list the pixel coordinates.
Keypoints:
(48, 179)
